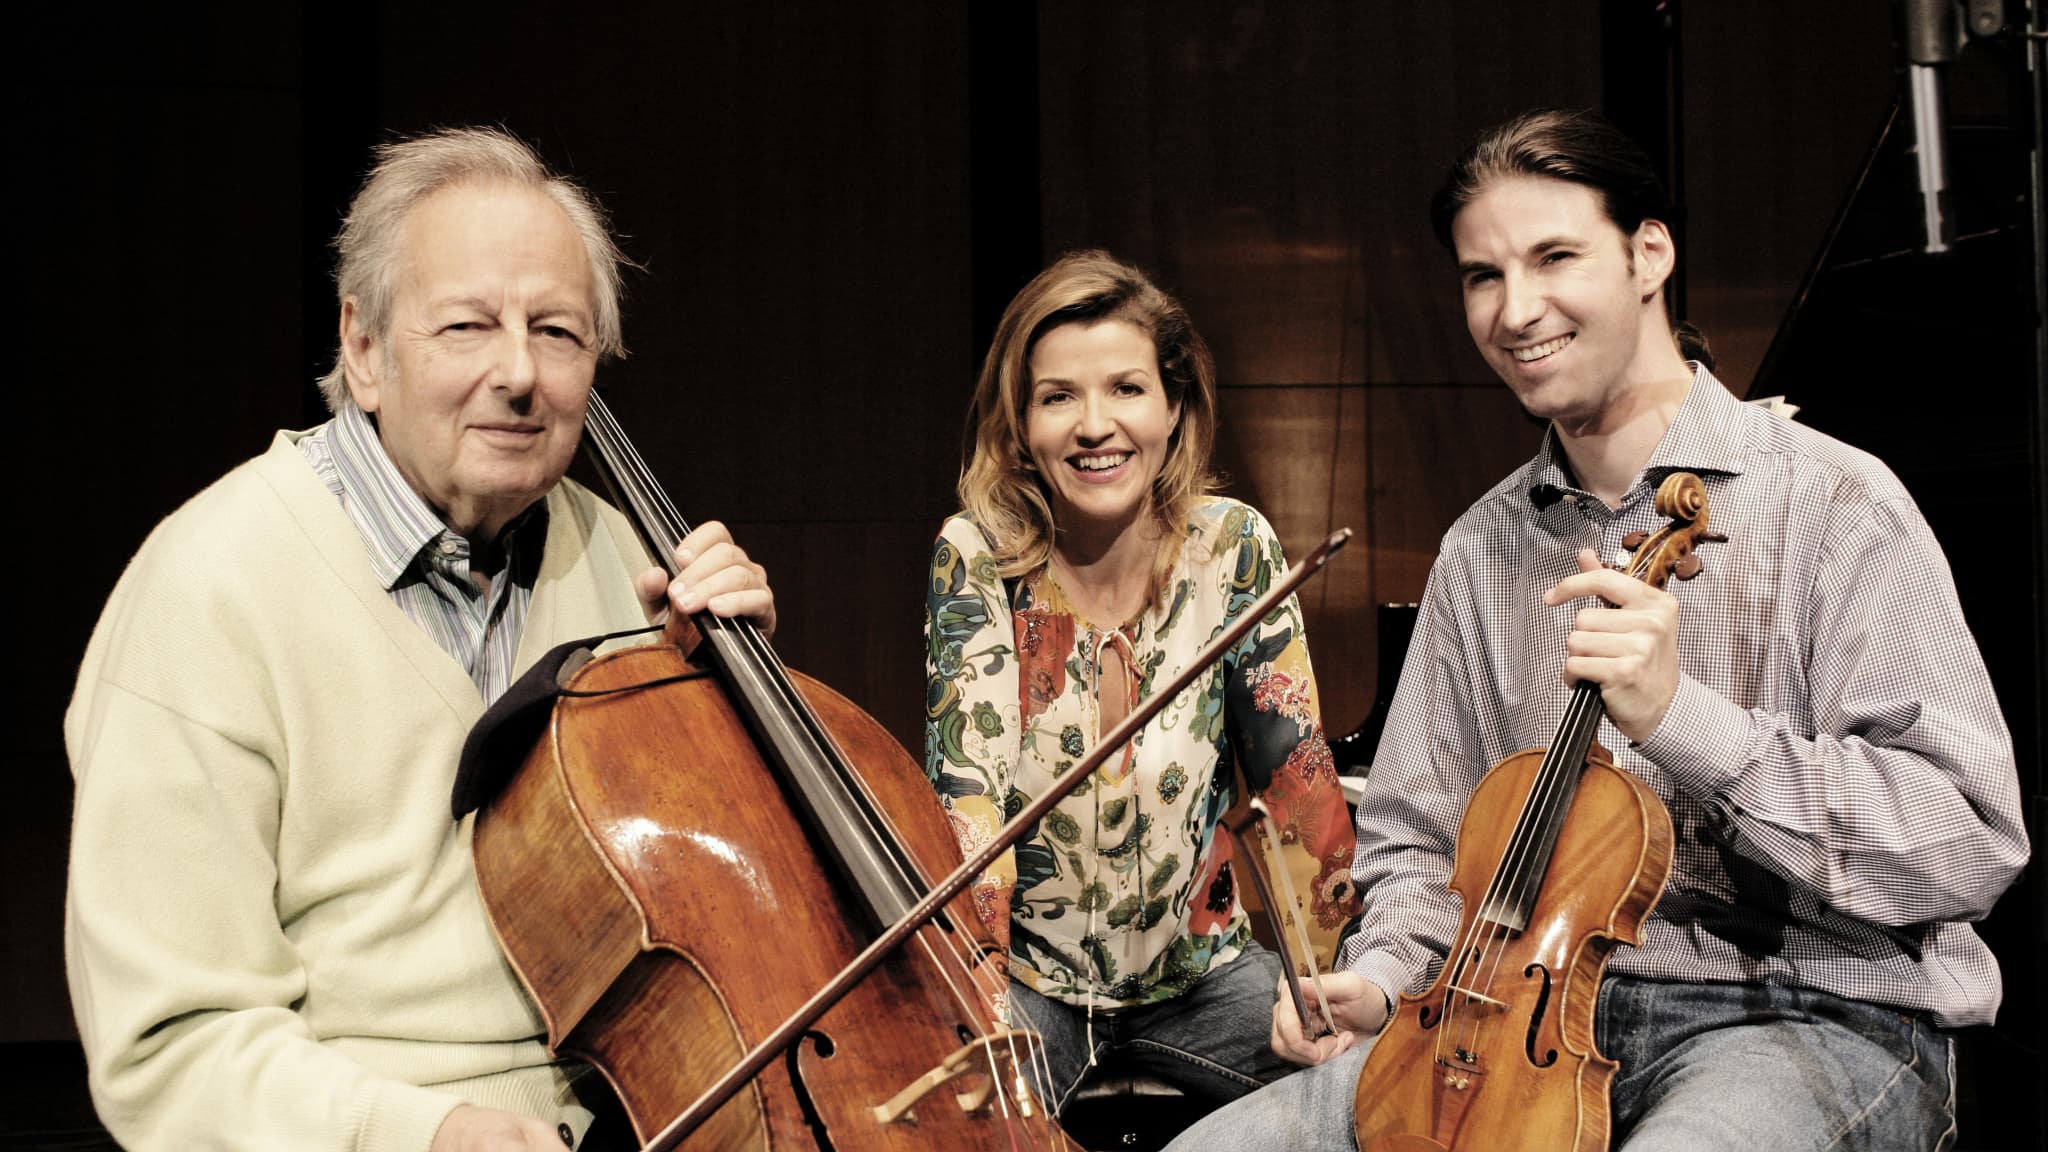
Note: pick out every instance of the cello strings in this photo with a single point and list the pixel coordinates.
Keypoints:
(651, 503)
(1033, 1051)
(979, 1012)
(768, 672)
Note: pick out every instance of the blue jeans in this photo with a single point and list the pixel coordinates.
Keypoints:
(1210, 1042)
(1720, 1067)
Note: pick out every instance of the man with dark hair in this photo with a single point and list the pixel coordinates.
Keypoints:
(1812, 711)
(273, 932)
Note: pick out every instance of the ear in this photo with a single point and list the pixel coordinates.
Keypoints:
(1656, 255)
(360, 359)
(1173, 418)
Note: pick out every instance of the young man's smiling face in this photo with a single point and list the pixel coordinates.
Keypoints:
(1563, 305)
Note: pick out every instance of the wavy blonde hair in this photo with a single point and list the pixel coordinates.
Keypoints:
(999, 483)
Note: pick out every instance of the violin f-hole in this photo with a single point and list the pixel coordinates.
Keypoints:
(1536, 1018)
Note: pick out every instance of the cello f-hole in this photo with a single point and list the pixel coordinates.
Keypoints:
(812, 1118)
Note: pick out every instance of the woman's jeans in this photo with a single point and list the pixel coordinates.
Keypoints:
(1704, 1068)
(1210, 1042)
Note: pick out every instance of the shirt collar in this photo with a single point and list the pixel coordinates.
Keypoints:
(1704, 437)
(397, 523)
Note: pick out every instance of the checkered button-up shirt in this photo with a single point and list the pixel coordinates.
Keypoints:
(1840, 779)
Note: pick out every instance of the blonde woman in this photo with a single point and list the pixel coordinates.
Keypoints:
(1089, 563)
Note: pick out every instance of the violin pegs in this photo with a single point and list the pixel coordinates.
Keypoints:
(1634, 540)
(1688, 566)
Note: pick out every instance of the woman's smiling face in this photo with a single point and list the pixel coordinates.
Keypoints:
(1098, 423)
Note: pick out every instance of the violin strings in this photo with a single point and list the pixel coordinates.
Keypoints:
(1557, 776)
(1550, 790)
(1546, 793)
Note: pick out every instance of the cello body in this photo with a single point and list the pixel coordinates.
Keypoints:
(665, 908)
(1528, 1075)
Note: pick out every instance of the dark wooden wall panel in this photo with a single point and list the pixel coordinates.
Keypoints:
(795, 180)
(1781, 101)
(1272, 164)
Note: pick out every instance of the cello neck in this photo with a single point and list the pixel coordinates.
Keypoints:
(842, 818)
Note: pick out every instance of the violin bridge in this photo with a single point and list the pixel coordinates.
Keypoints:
(1482, 997)
(983, 1055)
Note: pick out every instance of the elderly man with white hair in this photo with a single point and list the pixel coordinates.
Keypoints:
(274, 938)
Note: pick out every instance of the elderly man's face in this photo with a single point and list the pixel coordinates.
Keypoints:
(479, 387)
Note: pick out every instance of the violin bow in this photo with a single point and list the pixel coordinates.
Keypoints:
(957, 881)
(1296, 952)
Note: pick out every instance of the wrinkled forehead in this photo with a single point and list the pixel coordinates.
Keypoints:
(492, 235)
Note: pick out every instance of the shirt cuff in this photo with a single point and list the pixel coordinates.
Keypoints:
(1703, 740)
(1386, 973)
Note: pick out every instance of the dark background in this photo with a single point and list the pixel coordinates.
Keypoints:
(832, 204)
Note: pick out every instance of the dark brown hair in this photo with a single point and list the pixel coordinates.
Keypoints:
(1576, 146)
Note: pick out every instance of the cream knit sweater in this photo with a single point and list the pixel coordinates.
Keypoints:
(273, 934)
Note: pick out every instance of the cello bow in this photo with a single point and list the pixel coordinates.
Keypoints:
(958, 880)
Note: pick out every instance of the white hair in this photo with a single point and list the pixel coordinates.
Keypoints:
(408, 171)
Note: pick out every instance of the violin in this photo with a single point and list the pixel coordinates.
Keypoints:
(1560, 857)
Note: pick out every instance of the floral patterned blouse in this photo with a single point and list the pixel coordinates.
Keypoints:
(1125, 894)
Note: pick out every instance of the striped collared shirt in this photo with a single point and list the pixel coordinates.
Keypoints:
(1839, 776)
(421, 562)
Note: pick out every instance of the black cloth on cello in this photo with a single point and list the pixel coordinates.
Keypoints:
(498, 742)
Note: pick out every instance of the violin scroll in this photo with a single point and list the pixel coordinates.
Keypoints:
(1667, 552)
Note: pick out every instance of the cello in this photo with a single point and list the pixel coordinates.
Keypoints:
(702, 837)
(712, 876)
(1561, 855)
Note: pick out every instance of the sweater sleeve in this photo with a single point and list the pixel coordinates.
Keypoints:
(183, 980)
(973, 731)
(1276, 725)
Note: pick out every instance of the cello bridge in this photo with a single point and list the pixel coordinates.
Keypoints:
(989, 1055)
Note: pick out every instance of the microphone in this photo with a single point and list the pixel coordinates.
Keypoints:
(1933, 34)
